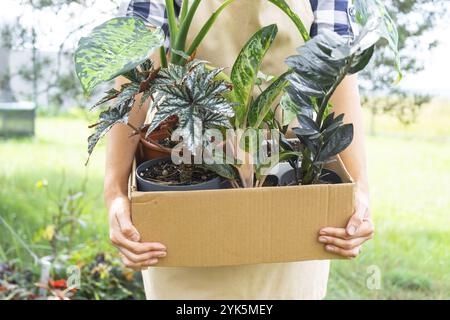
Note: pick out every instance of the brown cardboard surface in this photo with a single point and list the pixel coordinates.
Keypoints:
(242, 226)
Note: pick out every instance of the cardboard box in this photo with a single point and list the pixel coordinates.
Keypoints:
(242, 226)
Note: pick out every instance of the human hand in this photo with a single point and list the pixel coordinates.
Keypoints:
(125, 237)
(347, 242)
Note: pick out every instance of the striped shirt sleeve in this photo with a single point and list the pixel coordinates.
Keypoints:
(153, 12)
(334, 15)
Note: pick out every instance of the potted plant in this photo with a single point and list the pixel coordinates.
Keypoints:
(313, 75)
(201, 97)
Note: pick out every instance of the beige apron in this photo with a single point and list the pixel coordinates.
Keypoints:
(294, 280)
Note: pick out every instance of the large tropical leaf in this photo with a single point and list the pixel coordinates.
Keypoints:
(245, 69)
(260, 107)
(114, 48)
(293, 16)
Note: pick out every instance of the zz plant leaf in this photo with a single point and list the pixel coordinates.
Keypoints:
(114, 48)
(320, 66)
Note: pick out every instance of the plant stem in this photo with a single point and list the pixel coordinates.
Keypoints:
(172, 21)
(163, 57)
(180, 41)
(206, 27)
(184, 10)
(294, 17)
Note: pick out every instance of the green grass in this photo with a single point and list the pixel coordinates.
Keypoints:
(410, 180)
(409, 170)
(56, 154)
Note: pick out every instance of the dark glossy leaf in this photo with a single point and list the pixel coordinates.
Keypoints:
(330, 120)
(307, 126)
(337, 143)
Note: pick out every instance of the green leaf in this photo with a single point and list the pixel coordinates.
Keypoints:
(224, 170)
(245, 69)
(114, 48)
(107, 119)
(192, 94)
(293, 16)
(263, 103)
(172, 21)
(207, 26)
(110, 94)
(180, 42)
(291, 110)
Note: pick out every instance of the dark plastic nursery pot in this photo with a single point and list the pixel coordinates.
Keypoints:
(327, 176)
(149, 186)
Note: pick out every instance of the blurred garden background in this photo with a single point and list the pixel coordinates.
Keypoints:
(53, 225)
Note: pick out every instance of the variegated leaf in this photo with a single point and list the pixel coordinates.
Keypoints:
(107, 119)
(263, 103)
(191, 93)
(114, 48)
(245, 69)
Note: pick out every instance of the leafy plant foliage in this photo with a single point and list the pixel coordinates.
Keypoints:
(320, 66)
(191, 93)
(119, 111)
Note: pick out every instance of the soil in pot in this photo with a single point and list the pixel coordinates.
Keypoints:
(164, 175)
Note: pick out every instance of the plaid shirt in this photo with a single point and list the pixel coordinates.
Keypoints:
(335, 15)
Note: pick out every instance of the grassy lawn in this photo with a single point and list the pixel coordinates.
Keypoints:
(410, 179)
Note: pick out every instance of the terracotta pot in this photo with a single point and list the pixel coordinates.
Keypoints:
(149, 148)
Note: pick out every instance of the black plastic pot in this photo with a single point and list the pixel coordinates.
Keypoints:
(145, 185)
(327, 176)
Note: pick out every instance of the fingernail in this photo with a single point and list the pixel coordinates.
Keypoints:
(329, 248)
(162, 254)
(351, 230)
(322, 232)
(322, 239)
